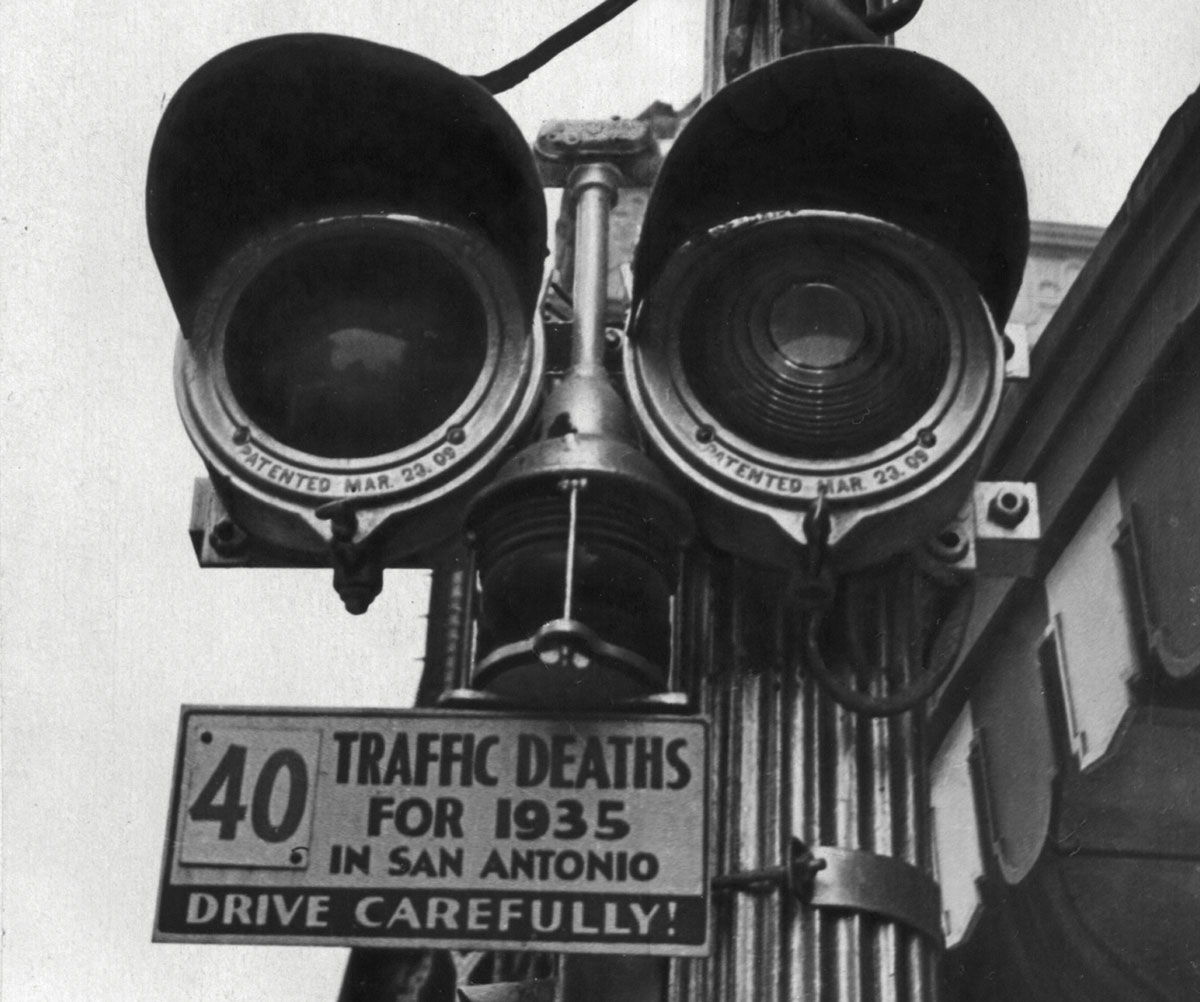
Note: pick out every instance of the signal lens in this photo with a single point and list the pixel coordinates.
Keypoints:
(810, 339)
(355, 346)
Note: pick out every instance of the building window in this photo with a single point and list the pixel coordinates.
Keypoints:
(1094, 648)
(956, 830)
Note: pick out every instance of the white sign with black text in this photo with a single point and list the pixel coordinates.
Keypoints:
(438, 828)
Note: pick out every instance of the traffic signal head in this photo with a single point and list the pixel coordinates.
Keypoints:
(825, 256)
(352, 239)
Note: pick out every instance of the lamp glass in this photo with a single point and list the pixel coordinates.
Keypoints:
(355, 345)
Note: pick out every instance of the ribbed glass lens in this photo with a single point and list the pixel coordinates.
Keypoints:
(621, 586)
(355, 345)
(816, 325)
(819, 346)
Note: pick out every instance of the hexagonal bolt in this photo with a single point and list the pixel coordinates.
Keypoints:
(228, 538)
(1008, 508)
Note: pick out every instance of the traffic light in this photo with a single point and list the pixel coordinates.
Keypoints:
(352, 238)
(826, 256)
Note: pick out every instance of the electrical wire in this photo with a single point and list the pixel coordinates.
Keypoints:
(884, 22)
(511, 74)
(942, 657)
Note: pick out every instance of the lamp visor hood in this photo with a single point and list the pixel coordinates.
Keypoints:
(295, 128)
(871, 130)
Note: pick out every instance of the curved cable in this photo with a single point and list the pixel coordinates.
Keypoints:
(884, 22)
(943, 656)
(511, 74)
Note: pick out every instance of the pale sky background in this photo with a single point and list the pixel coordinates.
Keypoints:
(108, 625)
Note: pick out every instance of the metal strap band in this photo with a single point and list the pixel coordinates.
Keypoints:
(879, 885)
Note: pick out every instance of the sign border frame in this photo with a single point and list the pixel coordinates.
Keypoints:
(171, 840)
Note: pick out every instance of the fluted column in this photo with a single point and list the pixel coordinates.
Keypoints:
(789, 762)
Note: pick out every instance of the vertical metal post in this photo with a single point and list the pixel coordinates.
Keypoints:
(449, 627)
(787, 759)
(593, 188)
(387, 975)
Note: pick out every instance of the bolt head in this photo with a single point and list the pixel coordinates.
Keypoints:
(1008, 508)
(227, 538)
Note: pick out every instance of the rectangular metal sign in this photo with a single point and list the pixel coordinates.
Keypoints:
(437, 828)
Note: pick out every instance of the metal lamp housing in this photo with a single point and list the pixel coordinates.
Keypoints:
(577, 543)
(828, 250)
(408, 425)
(352, 237)
(786, 357)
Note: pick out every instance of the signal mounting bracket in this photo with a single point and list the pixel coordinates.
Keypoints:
(850, 879)
(626, 143)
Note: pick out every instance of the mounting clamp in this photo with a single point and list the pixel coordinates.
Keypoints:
(849, 879)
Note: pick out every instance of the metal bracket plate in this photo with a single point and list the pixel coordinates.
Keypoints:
(997, 532)
(626, 143)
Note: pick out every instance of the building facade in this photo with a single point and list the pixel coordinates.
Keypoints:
(1067, 768)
